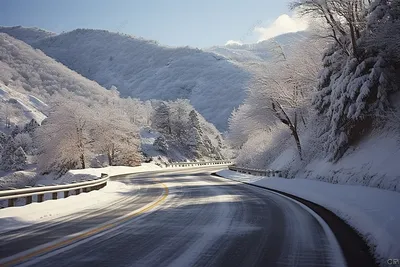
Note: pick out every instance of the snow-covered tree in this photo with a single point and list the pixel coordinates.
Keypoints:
(221, 145)
(344, 19)
(19, 159)
(31, 127)
(195, 135)
(7, 154)
(64, 138)
(179, 116)
(161, 118)
(161, 144)
(360, 70)
(139, 112)
(130, 155)
(15, 131)
(240, 126)
(114, 134)
(280, 92)
(24, 140)
(3, 138)
(5, 114)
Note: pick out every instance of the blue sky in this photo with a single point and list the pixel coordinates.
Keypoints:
(174, 22)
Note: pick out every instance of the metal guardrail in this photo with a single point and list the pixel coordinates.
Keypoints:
(258, 172)
(12, 195)
(200, 163)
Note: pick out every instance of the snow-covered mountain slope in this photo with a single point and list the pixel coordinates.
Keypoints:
(25, 69)
(143, 69)
(146, 70)
(28, 35)
(262, 51)
(214, 80)
(22, 107)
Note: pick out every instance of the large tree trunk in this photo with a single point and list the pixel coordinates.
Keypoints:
(353, 39)
(111, 155)
(297, 139)
(282, 115)
(81, 146)
(109, 158)
(82, 159)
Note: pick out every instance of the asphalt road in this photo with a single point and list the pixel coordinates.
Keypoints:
(201, 221)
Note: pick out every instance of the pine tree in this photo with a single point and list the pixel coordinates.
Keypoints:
(220, 144)
(354, 88)
(161, 119)
(15, 131)
(7, 154)
(195, 133)
(20, 159)
(31, 127)
(161, 144)
(3, 138)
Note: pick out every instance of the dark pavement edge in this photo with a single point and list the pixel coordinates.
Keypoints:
(355, 249)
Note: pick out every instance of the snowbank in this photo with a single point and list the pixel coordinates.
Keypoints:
(373, 212)
(18, 179)
(372, 162)
(17, 217)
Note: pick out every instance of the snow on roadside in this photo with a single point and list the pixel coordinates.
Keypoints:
(373, 212)
(373, 162)
(17, 217)
(17, 179)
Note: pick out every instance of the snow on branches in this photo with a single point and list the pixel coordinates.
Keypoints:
(75, 131)
(183, 128)
(280, 93)
(354, 87)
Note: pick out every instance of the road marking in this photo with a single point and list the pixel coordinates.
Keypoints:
(84, 235)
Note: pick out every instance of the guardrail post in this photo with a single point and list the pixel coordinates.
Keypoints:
(40, 197)
(66, 194)
(54, 195)
(28, 200)
(77, 191)
(11, 202)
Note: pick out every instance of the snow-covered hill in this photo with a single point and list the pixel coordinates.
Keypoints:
(25, 69)
(146, 70)
(262, 51)
(28, 35)
(22, 107)
(214, 80)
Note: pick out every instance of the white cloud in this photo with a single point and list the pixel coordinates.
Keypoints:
(283, 24)
(233, 42)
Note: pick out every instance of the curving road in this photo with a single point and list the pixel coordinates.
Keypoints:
(190, 219)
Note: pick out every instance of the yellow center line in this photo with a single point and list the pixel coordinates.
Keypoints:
(85, 234)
